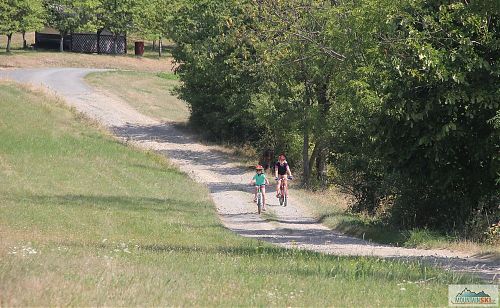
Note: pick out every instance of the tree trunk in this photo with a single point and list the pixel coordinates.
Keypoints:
(325, 105)
(313, 157)
(306, 132)
(154, 44)
(9, 39)
(24, 40)
(159, 46)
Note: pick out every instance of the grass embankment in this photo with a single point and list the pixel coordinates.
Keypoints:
(84, 220)
(19, 58)
(151, 94)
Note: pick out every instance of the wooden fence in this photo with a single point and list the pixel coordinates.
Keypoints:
(83, 42)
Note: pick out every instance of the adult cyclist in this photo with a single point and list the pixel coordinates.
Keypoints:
(282, 169)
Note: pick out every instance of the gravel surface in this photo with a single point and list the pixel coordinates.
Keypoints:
(292, 226)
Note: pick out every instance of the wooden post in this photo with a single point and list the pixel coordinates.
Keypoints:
(61, 42)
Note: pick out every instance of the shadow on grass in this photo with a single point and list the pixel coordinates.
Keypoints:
(351, 224)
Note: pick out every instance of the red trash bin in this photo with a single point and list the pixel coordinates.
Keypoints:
(139, 48)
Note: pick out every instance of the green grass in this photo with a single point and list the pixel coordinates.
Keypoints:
(150, 93)
(331, 209)
(87, 221)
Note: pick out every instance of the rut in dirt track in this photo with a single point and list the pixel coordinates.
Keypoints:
(293, 227)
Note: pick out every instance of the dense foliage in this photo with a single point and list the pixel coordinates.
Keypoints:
(219, 67)
(396, 102)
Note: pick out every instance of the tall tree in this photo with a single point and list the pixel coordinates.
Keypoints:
(33, 17)
(302, 61)
(9, 19)
(219, 66)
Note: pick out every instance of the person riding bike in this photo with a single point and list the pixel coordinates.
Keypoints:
(260, 180)
(282, 169)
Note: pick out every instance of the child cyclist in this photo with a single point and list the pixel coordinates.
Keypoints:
(260, 180)
(281, 171)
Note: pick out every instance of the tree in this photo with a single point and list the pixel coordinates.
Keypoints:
(68, 16)
(437, 75)
(33, 17)
(20, 16)
(152, 20)
(9, 19)
(63, 15)
(117, 16)
(218, 65)
(303, 62)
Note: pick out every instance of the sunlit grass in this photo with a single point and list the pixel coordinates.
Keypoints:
(150, 93)
(87, 221)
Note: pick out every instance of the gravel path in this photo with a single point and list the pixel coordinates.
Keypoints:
(291, 226)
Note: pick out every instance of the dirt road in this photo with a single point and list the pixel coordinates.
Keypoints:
(291, 226)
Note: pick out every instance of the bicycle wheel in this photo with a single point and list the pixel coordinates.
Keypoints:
(285, 200)
(282, 194)
(259, 202)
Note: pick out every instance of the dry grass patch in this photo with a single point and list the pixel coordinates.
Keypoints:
(151, 94)
(34, 59)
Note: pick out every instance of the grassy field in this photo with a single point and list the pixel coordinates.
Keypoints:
(150, 62)
(85, 220)
(149, 93)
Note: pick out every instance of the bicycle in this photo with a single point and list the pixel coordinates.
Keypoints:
(283, 198)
